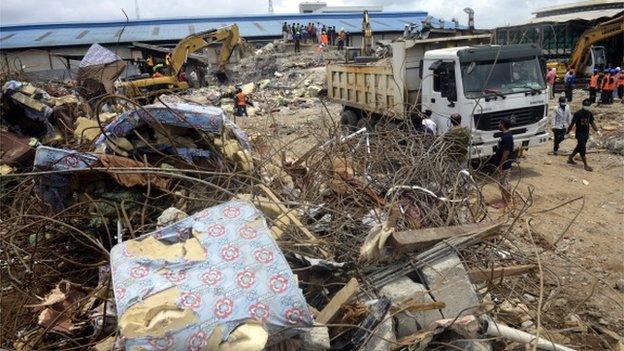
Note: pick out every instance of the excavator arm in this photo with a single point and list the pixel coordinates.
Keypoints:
(229, 35)
(593, 35)
(153, 86)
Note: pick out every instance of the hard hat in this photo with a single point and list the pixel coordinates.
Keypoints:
(613, 70)
(617, 69)
(595, 70)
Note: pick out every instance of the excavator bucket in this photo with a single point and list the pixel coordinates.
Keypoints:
(222, 77)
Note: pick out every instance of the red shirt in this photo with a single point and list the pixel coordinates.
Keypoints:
(551, 76)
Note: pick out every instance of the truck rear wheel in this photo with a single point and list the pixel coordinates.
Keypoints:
(349, 119)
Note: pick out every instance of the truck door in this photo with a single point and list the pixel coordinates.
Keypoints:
(440, 95)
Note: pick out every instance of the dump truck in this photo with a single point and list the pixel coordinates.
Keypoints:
(441, 76)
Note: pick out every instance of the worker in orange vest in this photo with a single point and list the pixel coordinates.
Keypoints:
(593, 86)
(241, 103)
(620, 84)
(608, 85)
(324, 39)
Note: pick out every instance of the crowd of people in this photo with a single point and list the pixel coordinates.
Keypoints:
(315, 33)
(608, 83)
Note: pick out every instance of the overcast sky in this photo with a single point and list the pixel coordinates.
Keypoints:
(488, 13)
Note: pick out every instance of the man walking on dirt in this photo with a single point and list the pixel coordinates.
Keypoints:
(503, 160)
(569, 80)
(582, 119)
(560, 121)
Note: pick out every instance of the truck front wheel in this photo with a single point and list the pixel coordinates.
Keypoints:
(349, 119)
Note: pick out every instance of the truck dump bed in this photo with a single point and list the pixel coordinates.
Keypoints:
(389, 86)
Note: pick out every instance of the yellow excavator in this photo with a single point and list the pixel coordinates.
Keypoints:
(149, 87)
(586, 57)
(367, 36)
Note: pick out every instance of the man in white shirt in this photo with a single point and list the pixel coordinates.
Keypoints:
(560, 121)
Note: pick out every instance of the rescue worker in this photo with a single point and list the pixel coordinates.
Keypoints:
(560, 121)
(503, 160)
(569, 79)
(241, 103)
(608, 84)
(458, 140)
(593, 86)
(297, 40)
(582, 119)
(150, 63)
(324, 39)
(342, 36)
(620, 84)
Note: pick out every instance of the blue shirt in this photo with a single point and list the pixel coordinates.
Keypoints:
(506, 143)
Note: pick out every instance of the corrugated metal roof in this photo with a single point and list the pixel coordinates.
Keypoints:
(571, 6)
(252, 26)
(584, 15)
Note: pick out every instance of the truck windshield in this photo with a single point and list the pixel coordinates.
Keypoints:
(505, 77)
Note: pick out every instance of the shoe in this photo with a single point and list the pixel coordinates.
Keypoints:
(588, 169)
(571, 161)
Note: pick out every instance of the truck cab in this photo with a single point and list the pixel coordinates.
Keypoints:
(485, 84)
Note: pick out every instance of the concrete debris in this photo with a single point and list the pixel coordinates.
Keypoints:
(448, 281)
(402, 291)
(185, 221)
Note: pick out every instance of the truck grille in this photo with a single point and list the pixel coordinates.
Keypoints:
(518, 117)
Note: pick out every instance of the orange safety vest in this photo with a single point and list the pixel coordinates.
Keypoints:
(240, 99)
(620, 82)
(324, 39)
(593, 82)
(605, 81)
(611, 84)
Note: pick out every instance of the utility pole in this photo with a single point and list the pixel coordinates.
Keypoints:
(270, 6)
(136, 9)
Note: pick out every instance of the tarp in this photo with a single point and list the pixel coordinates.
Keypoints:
(241, 275)
(98, 55)
(99, 66)
(208, 119)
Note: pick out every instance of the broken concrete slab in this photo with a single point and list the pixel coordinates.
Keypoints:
(383, 337)
(315, 339)
(448, 282)
(402, 290)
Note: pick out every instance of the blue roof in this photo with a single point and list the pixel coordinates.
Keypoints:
(172, 29)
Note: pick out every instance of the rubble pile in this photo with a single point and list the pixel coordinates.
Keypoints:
(168, 227)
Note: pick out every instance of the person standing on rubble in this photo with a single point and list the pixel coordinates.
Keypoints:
(582, 119)
(568, 81)
(593, 86)
(285, 31)
(297, 40)
(318, 32)
(551, 76)
(560, 121)
(341, 39)
(608, 85)
(149, 62)
(241, 103)
(324, 39)
(457, 140)
(619, 80)
(502, 159)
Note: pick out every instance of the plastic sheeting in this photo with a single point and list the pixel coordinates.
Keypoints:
(241, 276)
(98, 55)
(204, 118)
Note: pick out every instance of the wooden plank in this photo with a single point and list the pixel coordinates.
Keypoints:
(412, 240)
(330, 311)
(290, 216)
(412, 305)
(480, 275)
